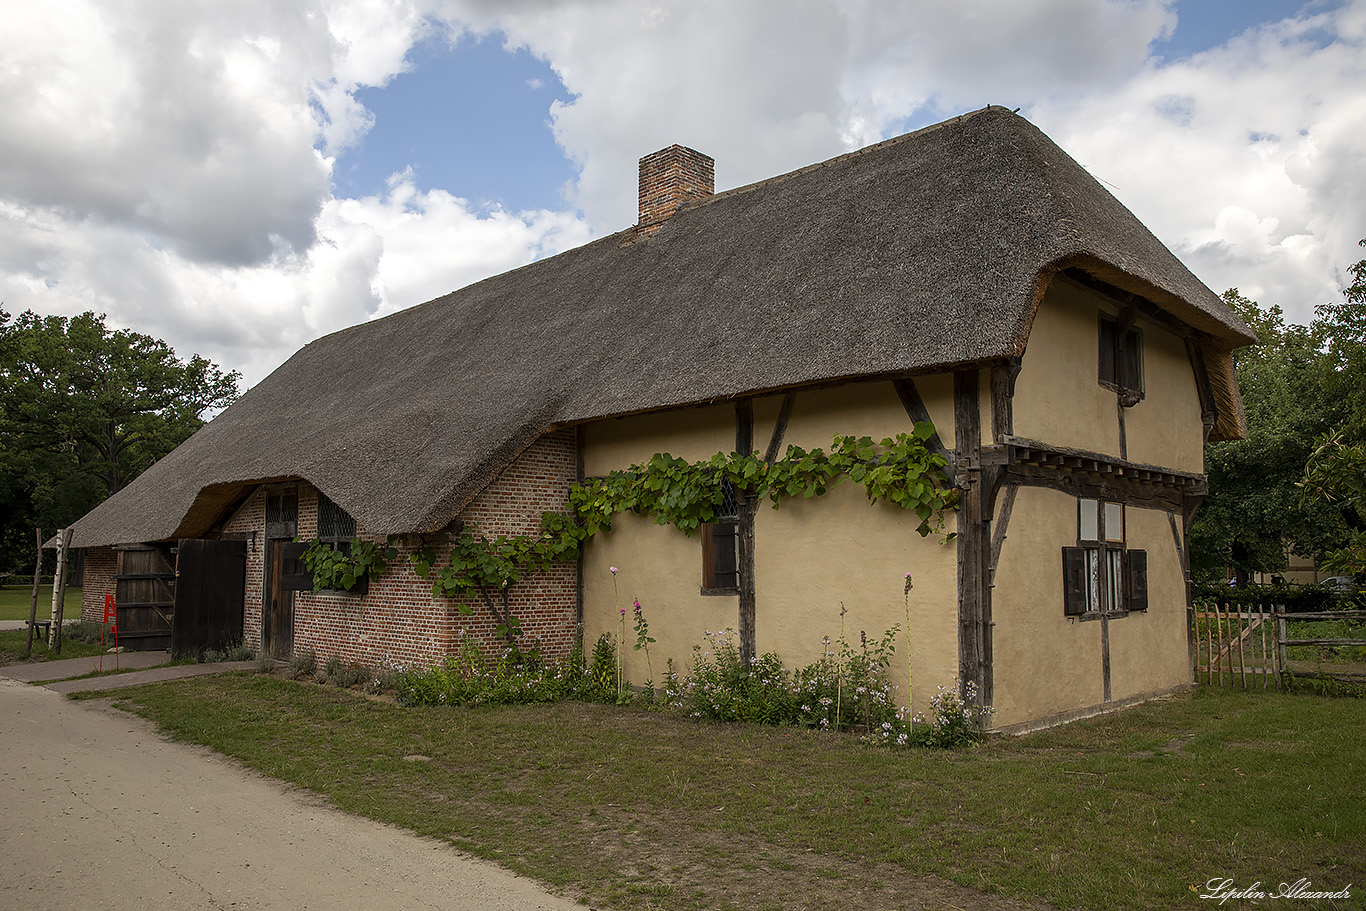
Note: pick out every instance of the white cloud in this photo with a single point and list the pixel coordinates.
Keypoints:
(1245, 159)
(169, 161)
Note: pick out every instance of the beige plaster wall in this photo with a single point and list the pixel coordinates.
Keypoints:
(809, 555)
(1149, 652)
(1057, 397)
(656, 563)
(1059, 401)
(1165, 428)
(1046, 663)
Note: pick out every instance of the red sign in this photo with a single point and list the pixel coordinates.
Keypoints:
(110, 610)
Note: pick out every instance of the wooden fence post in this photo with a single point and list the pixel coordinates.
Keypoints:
(33, 603)
(1280, 647)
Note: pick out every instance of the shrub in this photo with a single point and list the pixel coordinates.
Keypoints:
(303, 663)
(265, 662)
(956, 722)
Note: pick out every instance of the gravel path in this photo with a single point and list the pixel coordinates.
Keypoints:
(99, 812)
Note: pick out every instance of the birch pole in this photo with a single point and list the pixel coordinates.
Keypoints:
(54, 635)
(33, 603)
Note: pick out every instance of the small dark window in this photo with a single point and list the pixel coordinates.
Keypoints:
(720, 563)
(335, 525)
(1120, 357)
(721, 548)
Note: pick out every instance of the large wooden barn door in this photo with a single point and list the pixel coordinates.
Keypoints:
(211, 581)
(144, 585)
(277, 611)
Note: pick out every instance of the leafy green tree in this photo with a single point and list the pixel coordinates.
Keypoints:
(1336, 476)
(83, 410)
(1300, 384)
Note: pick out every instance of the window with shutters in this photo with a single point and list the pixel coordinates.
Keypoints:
(721, 548)
(1100, 574)
(1120, 357)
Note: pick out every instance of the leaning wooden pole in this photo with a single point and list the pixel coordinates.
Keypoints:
(54, 636)
(33, 603)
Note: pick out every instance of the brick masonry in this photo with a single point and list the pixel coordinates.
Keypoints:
(668, 179)
(398, 622)
(100, 566)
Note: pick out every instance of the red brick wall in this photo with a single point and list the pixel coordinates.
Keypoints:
(250, 520)
(100, 565)
(398, 622)
(669, 178)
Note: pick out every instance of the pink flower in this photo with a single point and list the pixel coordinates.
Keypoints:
(623, 612)
(637, 604)
(613, 570)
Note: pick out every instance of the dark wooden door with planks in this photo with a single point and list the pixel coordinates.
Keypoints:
(144, 584)
(210, 589)
(277, 611)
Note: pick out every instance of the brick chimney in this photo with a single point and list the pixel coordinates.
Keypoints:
(668, 179)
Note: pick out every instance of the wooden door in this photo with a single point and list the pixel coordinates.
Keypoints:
(211, 581)
(144, 585)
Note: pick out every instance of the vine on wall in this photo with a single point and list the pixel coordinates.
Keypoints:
(672, 491)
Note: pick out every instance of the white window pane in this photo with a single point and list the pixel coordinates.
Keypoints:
(1114, 580)
(1092, 580)
(1090, 521)
(1114, 522)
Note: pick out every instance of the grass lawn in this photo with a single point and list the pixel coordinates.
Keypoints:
(631, 809)
(12, 647)
(15, 600)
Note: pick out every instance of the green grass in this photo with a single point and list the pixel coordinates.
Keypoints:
(15, 600)
(625, 808)
(12, 647)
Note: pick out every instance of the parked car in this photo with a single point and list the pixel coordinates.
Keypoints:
(1345, 584)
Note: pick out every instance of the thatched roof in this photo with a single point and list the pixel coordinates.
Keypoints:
(920, 253)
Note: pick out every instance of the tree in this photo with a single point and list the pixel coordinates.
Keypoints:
(83, 410)
(1301, 384)
(1336, 476)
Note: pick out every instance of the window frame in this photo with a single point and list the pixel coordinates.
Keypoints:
(721, 548)
(1102, 576)
(1119, 360)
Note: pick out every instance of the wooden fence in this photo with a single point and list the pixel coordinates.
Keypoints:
(1246, 644)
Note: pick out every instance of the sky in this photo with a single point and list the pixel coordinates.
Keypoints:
(239, 178)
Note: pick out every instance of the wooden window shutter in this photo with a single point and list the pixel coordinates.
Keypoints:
(1136, 580)
(1109, 348)
(1073, 581)
(1131, 362)
(720, 569)
(295, 576)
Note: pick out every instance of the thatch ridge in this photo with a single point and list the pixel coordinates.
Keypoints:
(922, 252)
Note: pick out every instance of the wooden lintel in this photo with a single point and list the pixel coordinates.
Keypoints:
(1126, 490)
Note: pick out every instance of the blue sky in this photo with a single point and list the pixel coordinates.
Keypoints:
(242, 178)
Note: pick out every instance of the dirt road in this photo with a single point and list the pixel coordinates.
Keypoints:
(98, 812)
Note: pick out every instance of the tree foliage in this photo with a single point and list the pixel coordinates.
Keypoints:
(84, 409)
(1300, 385)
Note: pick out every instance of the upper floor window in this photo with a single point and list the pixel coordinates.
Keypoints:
(1121, 357)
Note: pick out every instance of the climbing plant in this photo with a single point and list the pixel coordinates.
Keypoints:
(336, 569)
(674, 491)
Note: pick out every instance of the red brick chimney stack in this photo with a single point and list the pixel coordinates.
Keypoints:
(668, 179)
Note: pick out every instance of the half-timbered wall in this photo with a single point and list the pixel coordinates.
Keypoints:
(1059, 401)
(810, 556)
(1048, 666)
